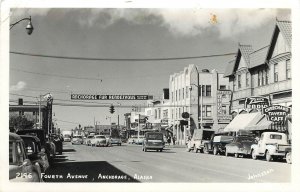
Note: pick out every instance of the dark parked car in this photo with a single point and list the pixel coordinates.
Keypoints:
(154, 141)
(217, 144)
(45, 142)
(35, 151)
(241, 145)
(58, 142)
(21, 169)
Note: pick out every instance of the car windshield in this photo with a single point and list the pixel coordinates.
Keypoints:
(29, 145)
(67, 136)
(77, 137)
(154, 136)
(90, 137)
(100, 137)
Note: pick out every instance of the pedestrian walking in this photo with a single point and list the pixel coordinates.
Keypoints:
(169, 140)
(174, 139)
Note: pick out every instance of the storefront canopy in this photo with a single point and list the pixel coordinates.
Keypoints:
(241, 121)
(260, 125)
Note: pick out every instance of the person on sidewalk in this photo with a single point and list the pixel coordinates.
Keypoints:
(173, 139)
(169, 140)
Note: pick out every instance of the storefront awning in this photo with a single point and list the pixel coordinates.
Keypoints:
(261, 125)
(241, 121)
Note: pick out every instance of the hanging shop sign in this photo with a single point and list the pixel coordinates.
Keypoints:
(257, 102)
(223, 98)
(109, 97)
(276, 113)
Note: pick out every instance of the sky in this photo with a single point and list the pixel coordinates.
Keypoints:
(123, 34)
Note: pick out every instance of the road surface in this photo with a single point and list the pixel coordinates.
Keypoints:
(128, 163)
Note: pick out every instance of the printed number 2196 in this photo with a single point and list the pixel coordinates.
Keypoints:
(24, 175)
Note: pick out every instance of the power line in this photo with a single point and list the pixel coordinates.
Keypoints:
(118, 59)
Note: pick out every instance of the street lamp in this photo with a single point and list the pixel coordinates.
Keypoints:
(29, 28)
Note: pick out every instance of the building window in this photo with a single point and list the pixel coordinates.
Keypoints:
(247, 79)
(202, 89)
(176, 113)
(155, 113)
(203, 110)
(172, 113)
(222, 87)
(259, 78)
(276, 72)
(234, 84)
(208, 111)
(239, 81)
(208, 90)
(224, 109)
(288, 69)
(176, 95)
(172, 97)
(159, 112)
(182, 93)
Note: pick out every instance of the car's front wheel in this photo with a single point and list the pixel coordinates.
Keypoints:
(268, 156)
(215, 151)
(253, 154)
(288, 158)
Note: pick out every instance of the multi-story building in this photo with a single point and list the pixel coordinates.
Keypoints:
(265, 72)
(189, 90)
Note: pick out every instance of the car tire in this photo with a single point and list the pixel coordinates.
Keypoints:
(236, 155)
(215, 150)
(201, 150)
(161, 150)
(268, 156)
(288, 158)
(145, 149)
(253, 155)
(195, 149)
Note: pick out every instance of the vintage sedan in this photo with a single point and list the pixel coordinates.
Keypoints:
(153, 141)
(99, 140)
(89, 140)
(77, 139)
(241, 145)
(116, 141)
(21, 169)
(35, 151)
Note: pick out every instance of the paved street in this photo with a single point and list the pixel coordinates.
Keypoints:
(128, 163)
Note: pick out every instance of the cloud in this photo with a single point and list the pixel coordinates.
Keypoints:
(18, 87)
(186, 22)
(180, 22)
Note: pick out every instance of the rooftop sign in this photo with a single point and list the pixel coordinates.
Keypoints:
(109, 97)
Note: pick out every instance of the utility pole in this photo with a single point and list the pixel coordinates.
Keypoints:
(139, 128)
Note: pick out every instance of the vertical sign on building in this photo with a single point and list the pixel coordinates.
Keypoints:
(223, 97)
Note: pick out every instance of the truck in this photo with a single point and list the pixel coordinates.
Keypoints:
(199, 137)
(272, 146)
(217, 143)
(67, 135)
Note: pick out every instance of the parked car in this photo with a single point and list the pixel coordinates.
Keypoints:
(99, 140)
(241, 145)
(154, 141)
(273, 146)
(199, 137)
(140, 140)
(108, 140)
(45, 141)
(67, 138)
(21, 169)
(58, 142)
(217, 144)
(132, 140)
(116, 141)
(77, 139)
(35, 152)
(89, 140)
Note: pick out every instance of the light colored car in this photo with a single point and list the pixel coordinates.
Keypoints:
(108, 140)
(140, 140)
(132, 140)
(67, 138)
(89, 140)
(77, 139)
(21, 169)
(116, 141)
(99, 140)
(272, 145)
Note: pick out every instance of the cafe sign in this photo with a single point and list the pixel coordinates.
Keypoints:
(276, 113)
(257, 102)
